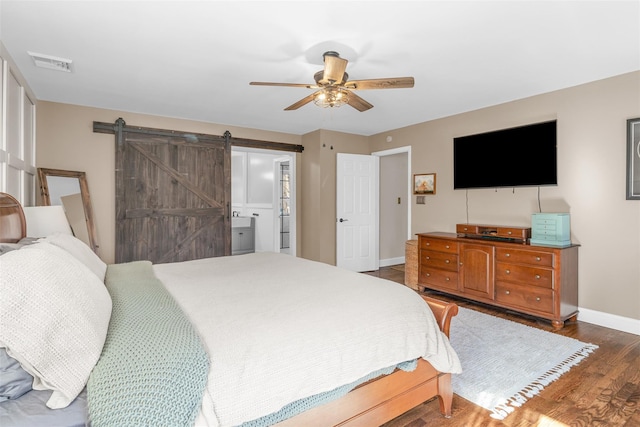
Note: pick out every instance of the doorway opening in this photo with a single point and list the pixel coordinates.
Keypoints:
(263, 187)
(394, 204)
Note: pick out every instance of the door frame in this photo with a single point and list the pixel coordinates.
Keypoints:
(389, 152)
(278, 156)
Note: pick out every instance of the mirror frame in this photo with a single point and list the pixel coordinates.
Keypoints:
(43, 173)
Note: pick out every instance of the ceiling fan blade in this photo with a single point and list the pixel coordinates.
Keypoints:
(358, 103)
(388, 83)
(305, 85)
(303, 101)
(334, 68)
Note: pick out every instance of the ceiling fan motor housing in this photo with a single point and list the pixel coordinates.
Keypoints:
(319, 76)
(331, 53)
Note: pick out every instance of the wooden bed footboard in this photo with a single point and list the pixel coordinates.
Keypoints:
(387, 397)
(443, 312)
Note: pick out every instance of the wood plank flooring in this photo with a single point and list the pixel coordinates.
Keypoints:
(603, 390)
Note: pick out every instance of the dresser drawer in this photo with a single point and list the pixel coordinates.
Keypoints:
(534, 276)
(518, 256)
(528, 297)
(439, 278)
(546, 227)
(514, 233)
(545, 218)
(442, 260)
(467, 229)
(439, 245)
(546, 235)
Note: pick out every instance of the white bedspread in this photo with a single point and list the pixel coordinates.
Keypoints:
(280, 328)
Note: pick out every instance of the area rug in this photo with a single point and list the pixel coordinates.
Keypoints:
(505, 363)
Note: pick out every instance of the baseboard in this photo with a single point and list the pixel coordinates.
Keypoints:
(391, 261)
(613, 321)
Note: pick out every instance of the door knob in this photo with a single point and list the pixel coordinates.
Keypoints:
(343, 220)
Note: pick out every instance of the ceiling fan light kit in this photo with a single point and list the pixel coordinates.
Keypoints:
(335, 88)
(331, 97)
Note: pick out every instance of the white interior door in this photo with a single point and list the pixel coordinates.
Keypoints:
(357, 212)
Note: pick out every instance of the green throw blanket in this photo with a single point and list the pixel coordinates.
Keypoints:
(153, 368)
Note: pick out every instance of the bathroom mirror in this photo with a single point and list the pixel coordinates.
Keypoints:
(70, 189)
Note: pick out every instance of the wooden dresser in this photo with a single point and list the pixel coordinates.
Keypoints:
(540, 281)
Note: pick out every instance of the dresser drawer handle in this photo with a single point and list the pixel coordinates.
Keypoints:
(447, 279)
(537, 277)
(507, 292)
(509, 233)
(507, 255)
(428, 244)
(537, 298)
(447, 246)
(428, 274)
(537, 258)
(446, 261)
(507, 271)
(427, 257)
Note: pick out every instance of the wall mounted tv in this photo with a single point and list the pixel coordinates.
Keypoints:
(515, 157)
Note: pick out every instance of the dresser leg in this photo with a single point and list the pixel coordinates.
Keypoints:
(557, 324)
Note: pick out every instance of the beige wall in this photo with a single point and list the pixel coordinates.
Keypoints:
(65, 140)
(591, 182)
(591, 173)
(319, 190)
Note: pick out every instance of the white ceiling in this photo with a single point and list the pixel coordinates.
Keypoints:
(195, 59)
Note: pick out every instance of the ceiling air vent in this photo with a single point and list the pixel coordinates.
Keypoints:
(51, 62)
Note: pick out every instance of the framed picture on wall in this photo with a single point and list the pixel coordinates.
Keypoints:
(633, 159)
(424, 183)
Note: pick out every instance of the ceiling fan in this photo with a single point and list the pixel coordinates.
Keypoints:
(334, 87)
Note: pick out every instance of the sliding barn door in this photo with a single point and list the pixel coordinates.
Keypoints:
(173, 192)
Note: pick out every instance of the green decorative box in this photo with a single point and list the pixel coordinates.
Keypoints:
(550, 229)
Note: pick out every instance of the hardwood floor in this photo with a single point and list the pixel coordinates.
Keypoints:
(603, 390)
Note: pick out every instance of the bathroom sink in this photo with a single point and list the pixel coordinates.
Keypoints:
(241, 221)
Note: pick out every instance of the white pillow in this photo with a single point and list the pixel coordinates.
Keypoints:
(80, 250)
(54, 315)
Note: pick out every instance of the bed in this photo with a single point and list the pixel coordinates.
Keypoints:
(255, 339)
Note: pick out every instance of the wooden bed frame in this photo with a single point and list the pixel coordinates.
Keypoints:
(13, 225)
(371, 404)
(387, 397)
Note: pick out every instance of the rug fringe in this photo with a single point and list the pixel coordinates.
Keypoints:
(535, 387)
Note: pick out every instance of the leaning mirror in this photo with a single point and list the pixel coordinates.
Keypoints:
(70, 189)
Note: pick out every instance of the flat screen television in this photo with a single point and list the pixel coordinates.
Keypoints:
(515, 157)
